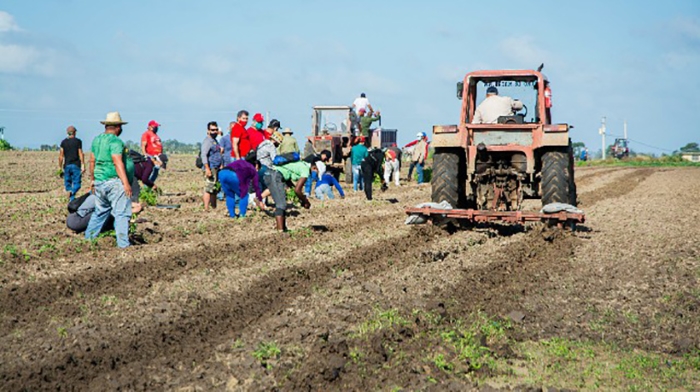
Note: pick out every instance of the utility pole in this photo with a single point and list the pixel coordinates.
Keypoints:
(601, 131)
(625, 130)
(2, 133)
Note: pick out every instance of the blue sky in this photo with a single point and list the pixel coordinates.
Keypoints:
(184, 63)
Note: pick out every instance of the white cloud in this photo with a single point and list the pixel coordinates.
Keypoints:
(688, 28)
(17, 59)
(7, 23)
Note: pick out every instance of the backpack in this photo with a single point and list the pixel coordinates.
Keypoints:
(286, 158)
(74, 204)
(136, 157)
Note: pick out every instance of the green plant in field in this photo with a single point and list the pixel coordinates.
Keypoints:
(292, 196)
(265, 352)
(148, 196)
(441, 363)
(62, 331)
(380, 320)
(11, 249)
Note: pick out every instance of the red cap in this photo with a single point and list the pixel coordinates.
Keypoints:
(258, 118)
(153, 123)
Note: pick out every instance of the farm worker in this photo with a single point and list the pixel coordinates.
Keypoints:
(419, 155)
(318, 168)
(143, 167)
(366, 121)
(324, 182)
(235, 179)
(152, 147)
(371, 165)
(71, 162)
(295, 174)
(111, 173)
(273, 126)
(584, 154)
(391, 167)
(256, 133)
(495, 106)
(225, 142)
(289, 143)
(212, 161)
(78, 221)
(240, 142)
(266, 153)
(357, 154)
(362, 103)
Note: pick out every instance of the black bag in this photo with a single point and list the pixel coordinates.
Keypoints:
(74, 204)
(136, 157)
(198, 162)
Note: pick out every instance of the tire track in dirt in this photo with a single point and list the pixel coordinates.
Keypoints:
(136, 278)
(584, 179)
(107, 351)
(617, 188)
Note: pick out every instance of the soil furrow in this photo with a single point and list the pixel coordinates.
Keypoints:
(137, 277)
(617, 188)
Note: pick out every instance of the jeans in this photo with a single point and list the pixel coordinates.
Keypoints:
(419, 170)
(356, 177)
(275, 184)
(324, 190)
(71, 179)
(111, 198)
(232, 189)
(154, 174)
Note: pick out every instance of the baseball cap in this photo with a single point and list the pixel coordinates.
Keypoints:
(153, 123)
(274, 123)
(420, 135)
(258, 118)
(492, 90)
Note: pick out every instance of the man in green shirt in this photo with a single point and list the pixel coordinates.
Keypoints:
(111, 174)
(366, 121)
(289, 143)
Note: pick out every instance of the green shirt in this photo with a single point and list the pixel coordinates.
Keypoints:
(289, 144)
(294, 171)
(366, 123)
(103, 147)
(357, 154)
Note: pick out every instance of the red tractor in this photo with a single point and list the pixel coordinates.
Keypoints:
(485, 170)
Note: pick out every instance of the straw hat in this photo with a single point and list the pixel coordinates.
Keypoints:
(113, 118)
(287, 131)
(277, 136)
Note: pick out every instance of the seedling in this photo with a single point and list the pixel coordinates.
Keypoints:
(265, 352)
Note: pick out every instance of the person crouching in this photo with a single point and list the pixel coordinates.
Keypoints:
(235, 179)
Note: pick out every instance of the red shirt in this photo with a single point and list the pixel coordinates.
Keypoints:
(153, 144)
(240, 132)
(256, 137)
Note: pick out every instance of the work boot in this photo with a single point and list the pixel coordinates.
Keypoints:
(281, 224)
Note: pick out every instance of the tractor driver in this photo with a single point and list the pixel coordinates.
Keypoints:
(495, 106)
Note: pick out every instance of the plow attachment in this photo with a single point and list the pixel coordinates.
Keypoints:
(560, 219)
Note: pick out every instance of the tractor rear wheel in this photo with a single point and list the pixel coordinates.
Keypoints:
(555, 178)
(573, 197)
(449, 177)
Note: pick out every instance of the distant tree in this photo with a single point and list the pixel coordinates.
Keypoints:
(5, 145)
(690, 147)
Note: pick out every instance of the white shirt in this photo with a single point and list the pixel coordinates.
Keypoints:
(494, 106)
(361, 103)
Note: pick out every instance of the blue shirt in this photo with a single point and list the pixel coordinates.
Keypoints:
(357, 154)
(326, 179)
(225, 142)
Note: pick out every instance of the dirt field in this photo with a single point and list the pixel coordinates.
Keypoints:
(351, 298)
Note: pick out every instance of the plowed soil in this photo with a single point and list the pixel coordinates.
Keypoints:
(194, 304)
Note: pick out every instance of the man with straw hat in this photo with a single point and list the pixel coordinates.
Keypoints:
(111, 173)
(289, 143)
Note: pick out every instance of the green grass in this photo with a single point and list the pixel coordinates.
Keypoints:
(148, 196)
(641, 161)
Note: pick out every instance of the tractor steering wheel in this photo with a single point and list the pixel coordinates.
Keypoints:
(524, 108)
(330, 127)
